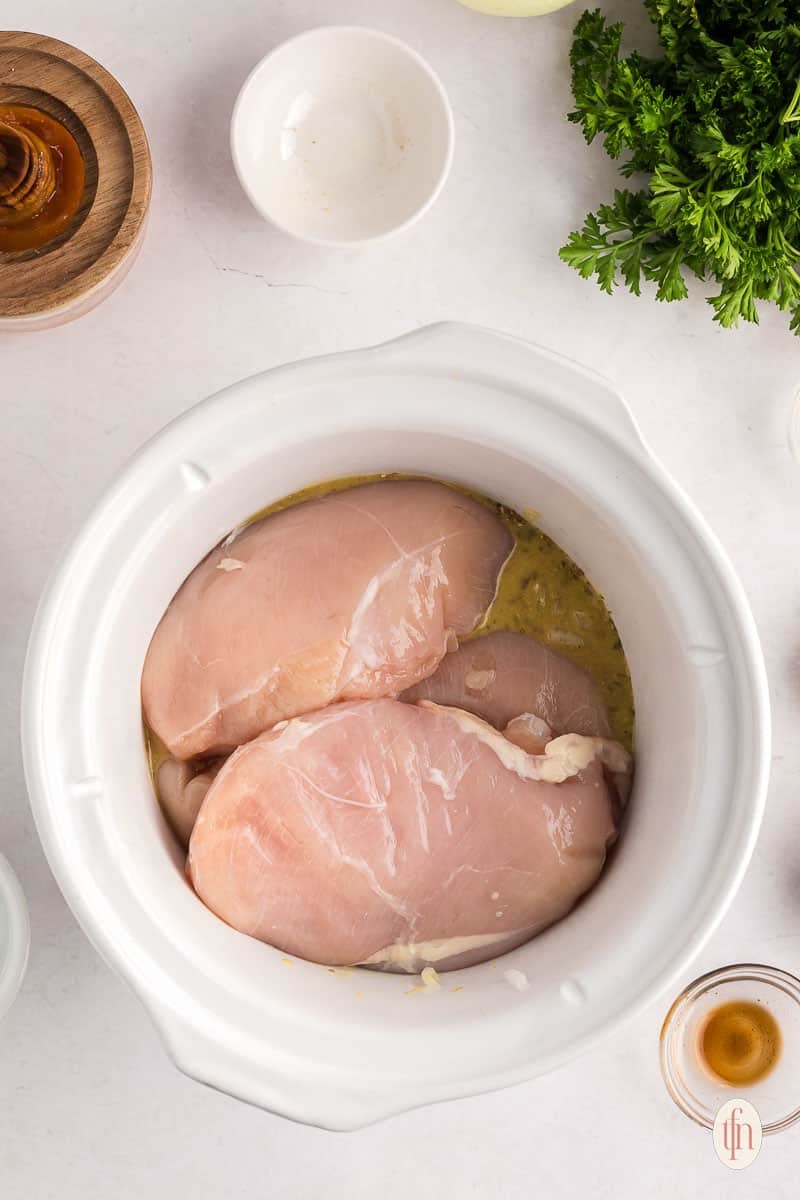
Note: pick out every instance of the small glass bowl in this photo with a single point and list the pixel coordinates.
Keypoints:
(696, 1091)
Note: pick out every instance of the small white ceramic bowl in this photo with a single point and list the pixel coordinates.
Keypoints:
(342, 136)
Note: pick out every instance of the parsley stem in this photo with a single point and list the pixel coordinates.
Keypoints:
(790, 113)
(650, 231)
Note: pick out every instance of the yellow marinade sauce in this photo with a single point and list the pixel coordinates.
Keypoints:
(544, 593)
(541, 592)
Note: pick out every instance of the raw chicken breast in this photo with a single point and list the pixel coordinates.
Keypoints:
(355, 595)
(401, 835)
(181, 791)
(502, 675)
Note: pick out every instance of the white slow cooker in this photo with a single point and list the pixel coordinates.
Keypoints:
(347, 1048)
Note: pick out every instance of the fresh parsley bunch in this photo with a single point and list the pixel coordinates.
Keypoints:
(715, 126)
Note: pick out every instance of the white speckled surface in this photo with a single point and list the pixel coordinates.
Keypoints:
(89, 1104)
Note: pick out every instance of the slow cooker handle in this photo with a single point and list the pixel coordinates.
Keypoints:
(524, 366)
(280, 1084)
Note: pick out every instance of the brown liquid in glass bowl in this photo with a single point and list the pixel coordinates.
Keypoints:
(739, 1042)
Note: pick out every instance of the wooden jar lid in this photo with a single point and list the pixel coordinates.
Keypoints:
(71, 274)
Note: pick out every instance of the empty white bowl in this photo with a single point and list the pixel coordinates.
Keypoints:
(342, 136)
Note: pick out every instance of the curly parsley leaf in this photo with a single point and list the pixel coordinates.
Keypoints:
(714, 124)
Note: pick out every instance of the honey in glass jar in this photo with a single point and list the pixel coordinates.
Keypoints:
(42, 178)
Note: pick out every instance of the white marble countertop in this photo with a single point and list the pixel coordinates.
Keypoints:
(90, 1107)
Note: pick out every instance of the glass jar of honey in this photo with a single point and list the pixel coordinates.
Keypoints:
(42, 179)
